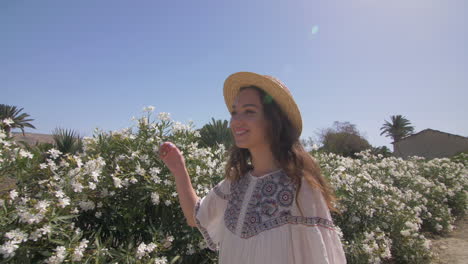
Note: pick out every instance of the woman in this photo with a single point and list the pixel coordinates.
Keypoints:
(273, 205)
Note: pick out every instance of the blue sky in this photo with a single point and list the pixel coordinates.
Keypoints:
(87, 64)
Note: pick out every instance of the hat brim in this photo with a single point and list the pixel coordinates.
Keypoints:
(273, 87)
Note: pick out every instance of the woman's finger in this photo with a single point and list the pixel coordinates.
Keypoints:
(166, 147)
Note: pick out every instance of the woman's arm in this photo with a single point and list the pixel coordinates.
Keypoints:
(174, 160)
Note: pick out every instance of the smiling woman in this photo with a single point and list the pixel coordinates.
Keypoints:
(248, 122)
(273, 205)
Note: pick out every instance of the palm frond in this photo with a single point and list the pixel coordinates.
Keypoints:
(67, 140)
(398, 128)
(20, 120)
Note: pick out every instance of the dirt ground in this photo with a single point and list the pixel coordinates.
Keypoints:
(453, 249)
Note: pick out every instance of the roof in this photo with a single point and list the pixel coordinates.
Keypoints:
(430, 130)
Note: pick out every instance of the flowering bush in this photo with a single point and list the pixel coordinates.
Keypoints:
(116, 202)
(386, 204)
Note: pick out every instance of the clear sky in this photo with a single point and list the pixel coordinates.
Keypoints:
(82, 64)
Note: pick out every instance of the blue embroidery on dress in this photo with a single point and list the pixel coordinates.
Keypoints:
(269, 206)
(231, 215)
(274, 195)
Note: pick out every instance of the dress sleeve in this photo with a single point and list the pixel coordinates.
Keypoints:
(209, 212)
(315, 238)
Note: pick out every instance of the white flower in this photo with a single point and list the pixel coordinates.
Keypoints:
(155, 198)
(438, 227)
(42, 206)
(164, 116)
(43, 166)
(202, 244)
(154, 171)
(367, 249)
(2, 202)
(79, 162)
(95, 175)
(162, 260)
(8, 121)
(54, 153)
(13, 194)
(190, 249)
(144, 158)
(148, 108)
(40, 232)
(340, 169)
(77, 187)
(92, 186)
(167, 182)
(150, 247)
(8, 249)
(144, 249)
(405, 232)
(87, 205)
(168, 202)
(140, 170)
(25, 154)
(141, 250)
(28, 217)
(156, 179)
(117, 182)
(17, 236)
(412, 226)
(59, 194)
(78, 252)
(64, 201)
(179, 127)
(59, 256)
(98, 214)
(167, 243)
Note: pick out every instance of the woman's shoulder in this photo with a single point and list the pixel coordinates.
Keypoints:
(311, 198)
(223, 189)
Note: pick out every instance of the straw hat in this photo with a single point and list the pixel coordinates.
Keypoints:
(274, 87)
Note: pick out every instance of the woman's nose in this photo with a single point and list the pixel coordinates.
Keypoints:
(235, 119)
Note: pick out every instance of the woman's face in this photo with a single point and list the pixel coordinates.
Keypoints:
(248, 123)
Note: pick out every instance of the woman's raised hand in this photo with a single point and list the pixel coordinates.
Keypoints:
(172, 157)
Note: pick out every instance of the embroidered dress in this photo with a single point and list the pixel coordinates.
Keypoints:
(256, 220)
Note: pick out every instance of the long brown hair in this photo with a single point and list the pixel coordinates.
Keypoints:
(286, 149)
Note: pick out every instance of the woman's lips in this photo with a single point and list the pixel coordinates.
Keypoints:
(240, 132)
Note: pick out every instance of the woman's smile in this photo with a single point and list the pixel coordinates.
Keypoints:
(240, 131)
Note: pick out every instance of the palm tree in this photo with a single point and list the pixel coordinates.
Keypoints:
(216, 132)
(10, 118)
(67, 141)
(399, 128)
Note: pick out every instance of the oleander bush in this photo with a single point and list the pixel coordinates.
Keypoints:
(116, 201)
(388, 204)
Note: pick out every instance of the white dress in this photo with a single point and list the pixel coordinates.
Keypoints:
(256, 220)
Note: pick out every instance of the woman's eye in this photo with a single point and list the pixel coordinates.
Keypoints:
(250, 112)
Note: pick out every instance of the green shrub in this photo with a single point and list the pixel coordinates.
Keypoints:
(116, 202)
